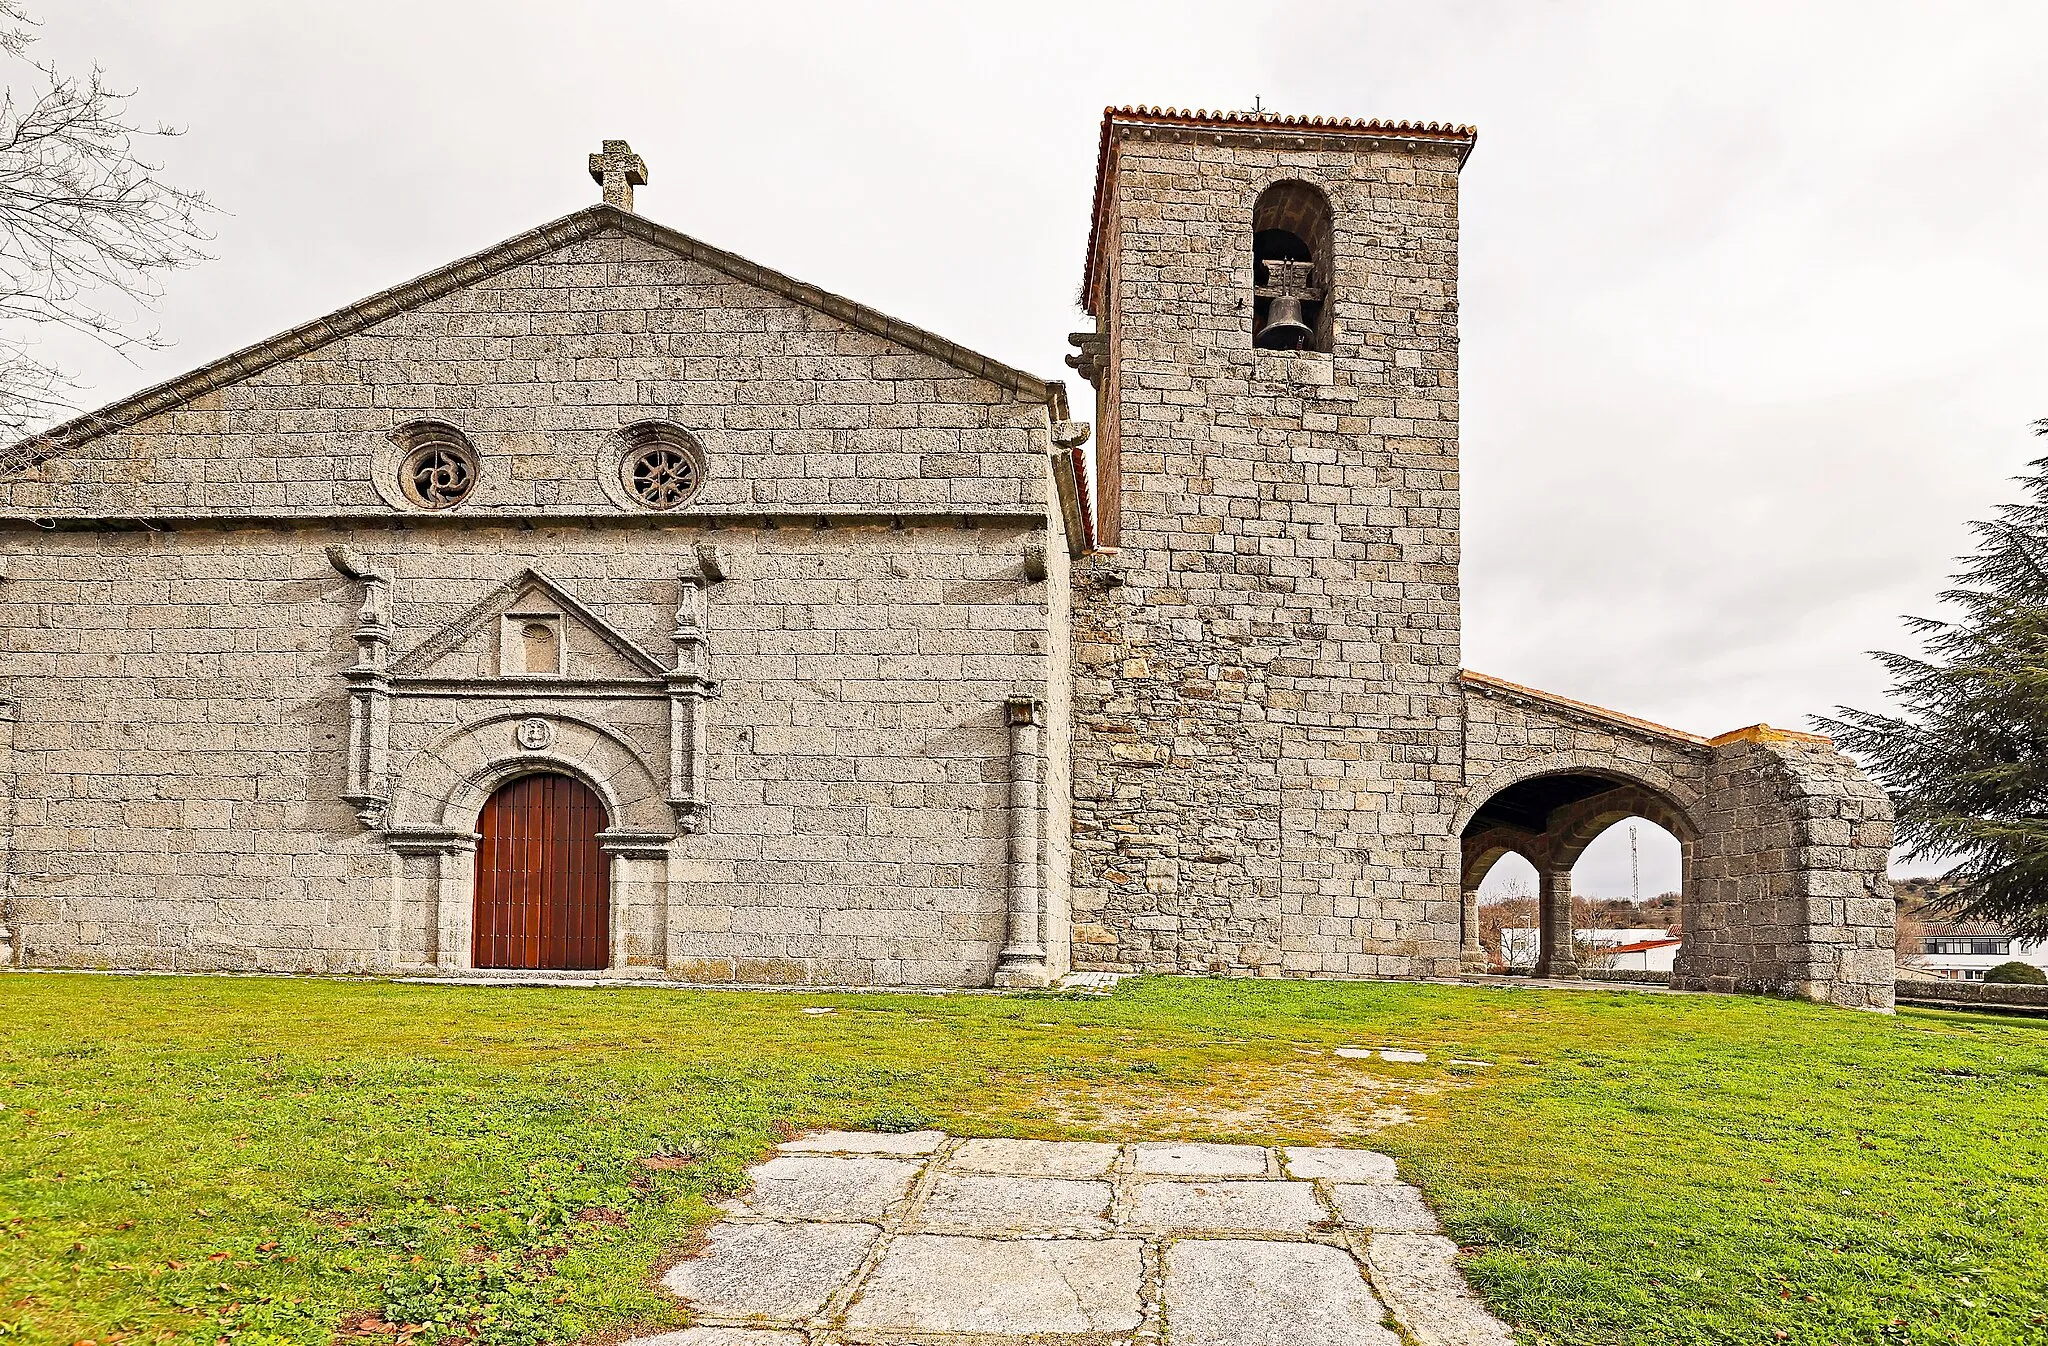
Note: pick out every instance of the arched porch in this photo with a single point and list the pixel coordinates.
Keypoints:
(1549, 818)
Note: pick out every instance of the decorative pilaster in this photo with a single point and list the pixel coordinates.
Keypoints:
(639, 895)
(690, 685)
(1023, 961)
(10, 938)
(451, 894)
(369, 692)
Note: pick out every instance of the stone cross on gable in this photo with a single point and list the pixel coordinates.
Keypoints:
(620, 170)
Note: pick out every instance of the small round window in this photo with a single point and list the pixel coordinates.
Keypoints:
(662, 467)
(439, 468)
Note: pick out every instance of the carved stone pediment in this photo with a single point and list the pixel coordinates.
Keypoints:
(526, 663)
(530, 628)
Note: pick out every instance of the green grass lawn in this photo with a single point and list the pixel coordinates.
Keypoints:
(254, 1160)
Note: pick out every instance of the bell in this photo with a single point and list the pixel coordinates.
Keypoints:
(1284, 329)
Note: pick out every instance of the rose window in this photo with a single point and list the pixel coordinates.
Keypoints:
(439, 469)
(662, 467)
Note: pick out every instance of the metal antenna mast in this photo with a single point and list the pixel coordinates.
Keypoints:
(1635, 867)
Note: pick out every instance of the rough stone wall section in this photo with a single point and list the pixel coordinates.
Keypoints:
(1792, 894)
(1268, 748)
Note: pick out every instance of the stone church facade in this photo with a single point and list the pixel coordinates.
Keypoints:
(605, 602)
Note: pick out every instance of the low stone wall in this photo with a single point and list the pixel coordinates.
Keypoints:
(1637, 976)
(1974, 994)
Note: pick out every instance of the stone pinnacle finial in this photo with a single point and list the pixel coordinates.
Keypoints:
(620, 170)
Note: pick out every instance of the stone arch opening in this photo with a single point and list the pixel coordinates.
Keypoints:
(1506, 882)
(1628, 899)
(1293, 261)
(1551, 819)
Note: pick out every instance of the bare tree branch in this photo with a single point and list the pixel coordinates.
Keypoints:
(85, 222)
(15, 28)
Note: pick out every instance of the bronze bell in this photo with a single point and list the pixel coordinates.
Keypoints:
(1284, 329)
(1286, 326)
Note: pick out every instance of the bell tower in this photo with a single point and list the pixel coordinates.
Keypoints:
(1268, 742)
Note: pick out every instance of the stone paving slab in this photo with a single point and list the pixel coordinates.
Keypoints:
(914, 1144)
(1237, 1292)
(1338, 1165)
(986, 1203)
(1393, 1207)
(1194, 1160)
(1035, 1158)
(725, 1336)
(775, 1271)
(1418, 1276)
(1243, 1207)
(885, 1240)
(818, 1187)
(1024, 1287)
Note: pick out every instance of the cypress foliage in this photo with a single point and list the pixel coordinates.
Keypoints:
(1966, 757)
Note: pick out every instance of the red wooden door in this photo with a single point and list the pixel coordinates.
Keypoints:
(542, 892)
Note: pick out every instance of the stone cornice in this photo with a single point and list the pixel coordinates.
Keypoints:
(710, 521)
(1500, 689)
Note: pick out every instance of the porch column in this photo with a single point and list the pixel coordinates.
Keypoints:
(1557, 957)
(1471, 955)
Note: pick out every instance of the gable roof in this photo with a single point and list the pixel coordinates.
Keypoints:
(1487, 685)
(421, 656)
(1371, 128)
(522, 248)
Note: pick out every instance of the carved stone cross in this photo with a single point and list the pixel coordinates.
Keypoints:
(620, 170)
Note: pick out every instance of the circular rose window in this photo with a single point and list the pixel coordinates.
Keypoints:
(662, 467)
(439, 469)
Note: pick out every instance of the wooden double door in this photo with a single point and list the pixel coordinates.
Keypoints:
(543, 890)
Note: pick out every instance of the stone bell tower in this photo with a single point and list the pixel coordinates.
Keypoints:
(1268, 738)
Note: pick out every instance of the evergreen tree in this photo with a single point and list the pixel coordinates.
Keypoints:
(1966, 757)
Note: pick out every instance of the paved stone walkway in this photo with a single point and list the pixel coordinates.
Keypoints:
(924, 1238)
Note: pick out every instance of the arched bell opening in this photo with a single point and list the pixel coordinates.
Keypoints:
(1292, 266)
(1559, 823)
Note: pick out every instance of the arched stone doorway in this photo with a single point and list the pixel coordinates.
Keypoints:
(1549, 819)
(543, 898)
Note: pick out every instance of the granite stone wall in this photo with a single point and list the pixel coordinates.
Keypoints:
(1785, 842)
(1792, 893)
(1268, 734)
(233, 752)
(540, 363)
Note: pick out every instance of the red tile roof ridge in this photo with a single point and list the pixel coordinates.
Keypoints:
(1639, 946)
(1264, 118)
(1488, 681)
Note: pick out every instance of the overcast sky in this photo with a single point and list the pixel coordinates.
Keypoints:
(1753, 293)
